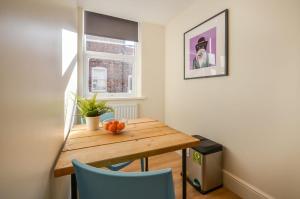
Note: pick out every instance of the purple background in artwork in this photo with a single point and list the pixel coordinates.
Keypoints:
(211, 33)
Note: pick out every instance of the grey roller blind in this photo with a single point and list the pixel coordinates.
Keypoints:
(108, 26)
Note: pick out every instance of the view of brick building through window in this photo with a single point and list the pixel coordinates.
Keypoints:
(119, 72)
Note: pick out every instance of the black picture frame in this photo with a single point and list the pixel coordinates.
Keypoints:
(226, 72)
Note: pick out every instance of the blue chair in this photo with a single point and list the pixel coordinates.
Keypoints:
(94, 183)
(116, 167)
(107, 116)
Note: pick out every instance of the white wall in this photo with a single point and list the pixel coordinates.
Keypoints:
(32, 95)
(255, 111)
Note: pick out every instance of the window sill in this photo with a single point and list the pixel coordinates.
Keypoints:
(122, 98)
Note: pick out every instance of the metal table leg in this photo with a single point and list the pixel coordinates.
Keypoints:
(184, 173)
(73, 186)
(142, 164)
(147, 165)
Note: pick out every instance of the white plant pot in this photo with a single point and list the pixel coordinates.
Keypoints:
(92, 123)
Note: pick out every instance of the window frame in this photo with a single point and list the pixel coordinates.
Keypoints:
(135, 60)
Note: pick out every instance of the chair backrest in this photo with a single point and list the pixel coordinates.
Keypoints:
(107, 116)
(95, 183)
(82, 120)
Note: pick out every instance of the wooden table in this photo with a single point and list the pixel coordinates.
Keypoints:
(142, 138)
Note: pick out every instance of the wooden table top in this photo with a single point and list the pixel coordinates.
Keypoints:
(142, 137)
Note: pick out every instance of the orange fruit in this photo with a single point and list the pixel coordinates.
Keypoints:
(106, 126)
(113, 128)
(121, 126)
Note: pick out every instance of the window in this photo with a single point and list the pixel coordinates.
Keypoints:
(110, 57)
(110, 66)
(99, 79)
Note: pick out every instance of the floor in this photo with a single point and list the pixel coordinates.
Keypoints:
(173, 160)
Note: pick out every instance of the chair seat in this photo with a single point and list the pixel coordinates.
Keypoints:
(119, 166)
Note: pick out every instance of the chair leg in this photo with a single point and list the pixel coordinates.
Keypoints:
(142, 165)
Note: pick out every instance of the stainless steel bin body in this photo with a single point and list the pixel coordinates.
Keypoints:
(204, 165)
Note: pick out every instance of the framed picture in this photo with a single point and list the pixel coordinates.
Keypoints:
(206, 48)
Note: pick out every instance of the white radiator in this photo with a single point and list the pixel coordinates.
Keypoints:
(125, 111)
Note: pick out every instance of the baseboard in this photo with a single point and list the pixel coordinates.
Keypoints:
(243, 188)
(240, 187)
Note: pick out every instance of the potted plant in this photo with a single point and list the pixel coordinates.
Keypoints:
(90, 109)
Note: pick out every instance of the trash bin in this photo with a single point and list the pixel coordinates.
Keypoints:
(204, 165)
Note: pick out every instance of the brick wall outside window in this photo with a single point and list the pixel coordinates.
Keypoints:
(117, 71)
(109, 48)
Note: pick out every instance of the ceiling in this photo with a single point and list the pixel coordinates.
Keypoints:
(154, 11)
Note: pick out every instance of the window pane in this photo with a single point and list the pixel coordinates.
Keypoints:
(99, 79)
(108, 45)
(118, 78)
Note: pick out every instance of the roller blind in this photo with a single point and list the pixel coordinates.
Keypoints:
(108, 26)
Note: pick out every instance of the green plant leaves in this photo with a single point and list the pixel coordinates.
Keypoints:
(93, 113)
(90, 107)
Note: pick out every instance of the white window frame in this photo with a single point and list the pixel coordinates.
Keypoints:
(134, 60)
(129, 83)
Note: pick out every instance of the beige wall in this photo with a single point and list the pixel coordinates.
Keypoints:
(32, 95)
(153, 61)
(152, 72)
(254, 112)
